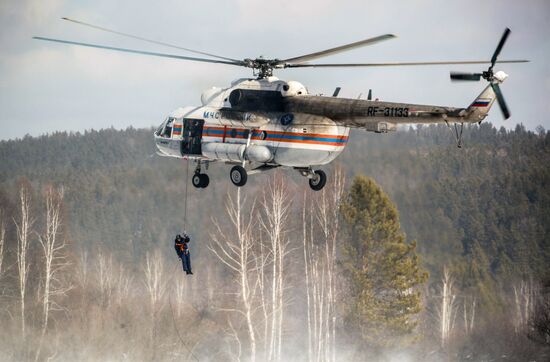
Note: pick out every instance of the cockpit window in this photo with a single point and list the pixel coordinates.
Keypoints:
(168, 128)
(165, 129)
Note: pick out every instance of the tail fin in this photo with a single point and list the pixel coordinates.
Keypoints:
(478, 110)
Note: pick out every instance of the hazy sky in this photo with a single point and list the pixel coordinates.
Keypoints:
(46, 87)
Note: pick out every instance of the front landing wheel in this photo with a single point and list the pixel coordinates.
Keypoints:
(200, 180)
(238, 176)
(318, 180)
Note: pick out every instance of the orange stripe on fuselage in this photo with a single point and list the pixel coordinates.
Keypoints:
(271, 135)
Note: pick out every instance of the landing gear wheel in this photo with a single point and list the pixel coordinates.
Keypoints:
(205, 180)
(238, 176)
(197, 180)
(318, 180)
(200, 180)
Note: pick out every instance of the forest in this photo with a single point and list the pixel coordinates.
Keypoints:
(416, 250)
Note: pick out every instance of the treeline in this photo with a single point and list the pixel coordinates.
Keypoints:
(481, 213)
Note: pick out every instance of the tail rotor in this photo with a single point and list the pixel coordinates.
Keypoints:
(493, 78)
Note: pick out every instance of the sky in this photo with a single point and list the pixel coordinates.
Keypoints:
(47, 87)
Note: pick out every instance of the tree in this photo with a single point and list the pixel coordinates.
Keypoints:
(23, 228)
(382, 270)
(55, 260)
(276, 208)
(447, 310)
(525, 299)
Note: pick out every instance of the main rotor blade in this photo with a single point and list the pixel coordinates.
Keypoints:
(465, 76)
(147, 40)
(396, 64)
(507, 32)
(342, 48)
(501, 101)
(239, 63)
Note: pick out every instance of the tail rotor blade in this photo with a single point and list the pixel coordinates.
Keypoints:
(465, 76)
(501, 101)
(507, 32)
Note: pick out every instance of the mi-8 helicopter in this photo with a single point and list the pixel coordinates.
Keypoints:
(262, 123)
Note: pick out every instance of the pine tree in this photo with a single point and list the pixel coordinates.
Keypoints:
(383, 270)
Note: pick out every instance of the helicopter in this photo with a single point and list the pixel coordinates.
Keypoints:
(261, 123)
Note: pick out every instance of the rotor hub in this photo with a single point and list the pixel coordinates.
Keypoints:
(262, 68)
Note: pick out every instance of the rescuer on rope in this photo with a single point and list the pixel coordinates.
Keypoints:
(182, 249)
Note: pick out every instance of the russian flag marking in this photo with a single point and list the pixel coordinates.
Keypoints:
(481, 102)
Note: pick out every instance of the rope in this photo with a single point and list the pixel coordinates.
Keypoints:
(185, 197)
(176, 326)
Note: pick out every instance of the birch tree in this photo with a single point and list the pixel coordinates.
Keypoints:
(23, 228)
(53, 246)
(275, 205)
(447, 310)
(235, 252)
(525, 296)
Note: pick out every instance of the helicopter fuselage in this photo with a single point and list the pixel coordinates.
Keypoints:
(276, 123)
